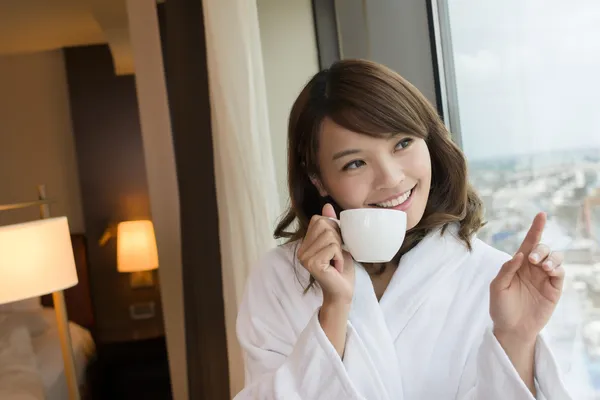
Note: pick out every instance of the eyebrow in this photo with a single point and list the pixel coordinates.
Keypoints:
(345, 153)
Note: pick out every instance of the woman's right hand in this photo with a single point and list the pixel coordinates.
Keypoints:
(322, 255)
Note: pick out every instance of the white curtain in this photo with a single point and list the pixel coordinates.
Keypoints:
(245, 176)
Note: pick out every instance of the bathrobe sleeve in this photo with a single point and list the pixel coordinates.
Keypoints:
(491, 375)
(281, 364)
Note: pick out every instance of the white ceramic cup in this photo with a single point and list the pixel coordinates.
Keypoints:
(372, 235)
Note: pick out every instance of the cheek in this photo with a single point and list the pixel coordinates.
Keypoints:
(420, 165)
(421, 172)
(348, 191)
(425, 169)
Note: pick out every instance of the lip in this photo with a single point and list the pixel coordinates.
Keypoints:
(395, 196)
(404, 206)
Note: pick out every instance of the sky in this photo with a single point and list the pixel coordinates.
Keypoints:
(528, 75)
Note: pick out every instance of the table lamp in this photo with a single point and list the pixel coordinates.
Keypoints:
(36, 258)
(136, 251)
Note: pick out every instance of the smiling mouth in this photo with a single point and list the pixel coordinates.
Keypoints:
(395, 202)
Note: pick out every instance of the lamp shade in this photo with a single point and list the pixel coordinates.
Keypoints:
(36, 258)
(136, 246)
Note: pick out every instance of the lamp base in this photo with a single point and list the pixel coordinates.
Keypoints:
(141, 279)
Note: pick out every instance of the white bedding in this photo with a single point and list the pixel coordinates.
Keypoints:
(31, 363)
(19, 376)
(49, 356)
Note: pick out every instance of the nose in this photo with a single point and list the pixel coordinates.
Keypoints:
(389, 175)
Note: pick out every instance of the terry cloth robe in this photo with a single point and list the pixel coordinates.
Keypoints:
(429, 337)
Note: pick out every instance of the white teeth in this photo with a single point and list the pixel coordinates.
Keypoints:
(395, 202)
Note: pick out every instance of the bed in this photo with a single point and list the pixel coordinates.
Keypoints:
(31, 363)
(49, 357)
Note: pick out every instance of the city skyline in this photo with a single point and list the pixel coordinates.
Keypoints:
(527, 82)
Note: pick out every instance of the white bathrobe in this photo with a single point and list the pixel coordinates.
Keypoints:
(429, 337)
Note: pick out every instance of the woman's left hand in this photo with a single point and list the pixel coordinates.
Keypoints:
(525, 292)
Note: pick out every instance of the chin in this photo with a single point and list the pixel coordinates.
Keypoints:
(413, 217)
(411, 224)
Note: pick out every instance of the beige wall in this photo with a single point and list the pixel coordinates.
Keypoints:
(36, 137)
(290, 59)
(162, 181)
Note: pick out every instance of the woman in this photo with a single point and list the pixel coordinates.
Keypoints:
(448, 318)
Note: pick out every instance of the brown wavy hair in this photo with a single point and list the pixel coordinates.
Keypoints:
(368, 98)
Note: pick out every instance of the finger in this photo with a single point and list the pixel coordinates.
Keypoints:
(338, 260)
(539, 254)
(321, 261)
(317, 226)
(557, 277)
(553, 261)
(507, 272)
(320, 223)
(534, 235)
(326, 238)
(328, 211)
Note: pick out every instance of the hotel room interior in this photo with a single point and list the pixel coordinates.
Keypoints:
(127, 117)
(70, 131)
(86, 134)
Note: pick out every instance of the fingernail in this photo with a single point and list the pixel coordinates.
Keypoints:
(548, 265)
(534, 257)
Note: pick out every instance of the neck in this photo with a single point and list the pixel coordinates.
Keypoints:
(381, 275)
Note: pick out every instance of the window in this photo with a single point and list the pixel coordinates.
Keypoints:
(523, 88)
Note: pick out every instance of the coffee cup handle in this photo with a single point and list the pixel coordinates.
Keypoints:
(339, 224)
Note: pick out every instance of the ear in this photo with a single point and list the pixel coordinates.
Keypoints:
(319, 185)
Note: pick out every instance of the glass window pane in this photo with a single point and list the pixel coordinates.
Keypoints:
(528, 84)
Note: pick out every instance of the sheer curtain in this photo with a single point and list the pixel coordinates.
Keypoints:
(245, 176)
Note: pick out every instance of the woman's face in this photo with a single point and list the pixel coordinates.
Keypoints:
(360, 171)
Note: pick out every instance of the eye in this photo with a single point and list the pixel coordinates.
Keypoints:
(404, 143)
(353, 165)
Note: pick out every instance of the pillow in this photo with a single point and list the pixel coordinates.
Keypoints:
(32, 304)
(34, 321)
(19, 376)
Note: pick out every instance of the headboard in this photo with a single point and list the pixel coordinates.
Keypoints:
(79, 297)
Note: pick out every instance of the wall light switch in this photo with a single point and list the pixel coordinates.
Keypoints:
(142, 310)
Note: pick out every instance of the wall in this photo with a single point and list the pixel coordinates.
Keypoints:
(290, 59)
(399, 38)
(394, 33)
(146, 28)
(113, 184)
(36, 137)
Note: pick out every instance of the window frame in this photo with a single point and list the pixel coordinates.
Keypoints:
(444, 56)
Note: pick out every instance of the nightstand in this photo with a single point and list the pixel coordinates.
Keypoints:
(131, 370)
